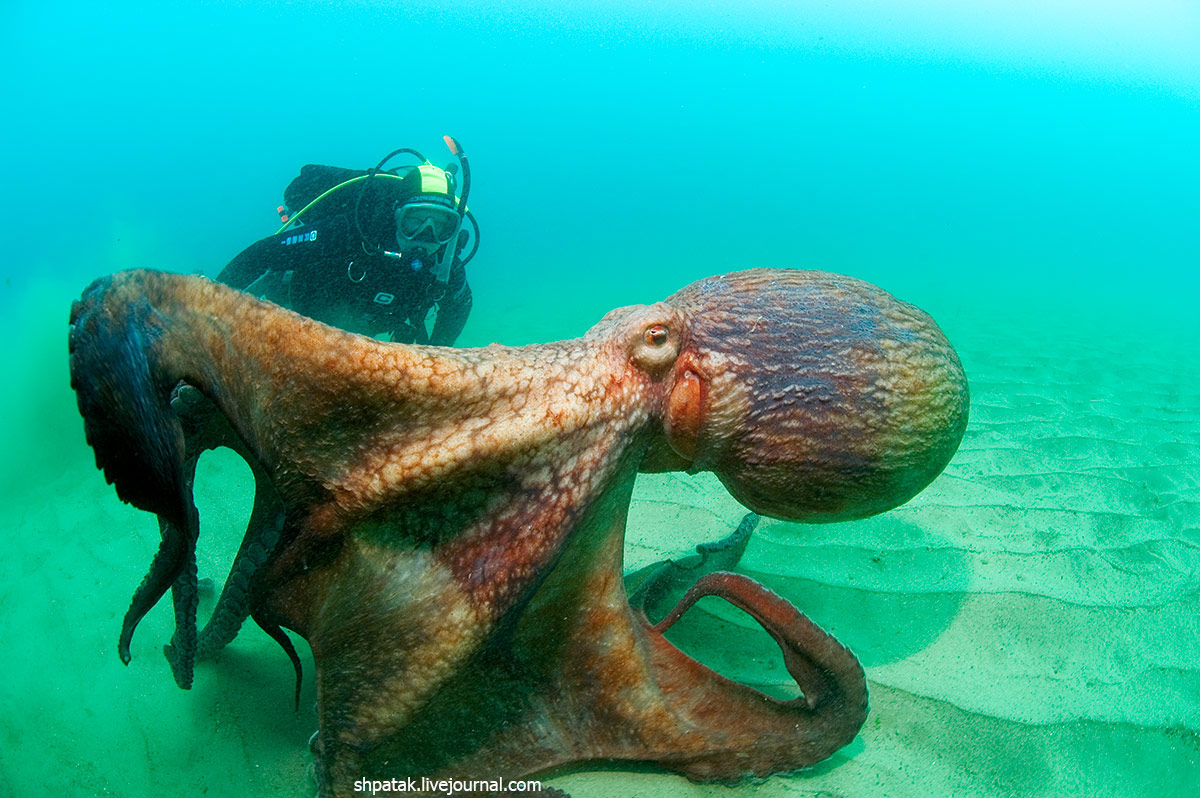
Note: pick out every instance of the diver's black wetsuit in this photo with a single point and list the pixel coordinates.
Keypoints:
(335, 269)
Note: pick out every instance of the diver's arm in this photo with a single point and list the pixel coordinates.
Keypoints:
(304, 251)
(453, 308)
(250, 264)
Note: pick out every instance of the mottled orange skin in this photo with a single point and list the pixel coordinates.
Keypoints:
(455, 518)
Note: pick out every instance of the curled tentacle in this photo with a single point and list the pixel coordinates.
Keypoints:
(740, 731)
(185, 591)
(233, 606)
(174, 553)
(827, 673)
(181, 651)
(668, 581)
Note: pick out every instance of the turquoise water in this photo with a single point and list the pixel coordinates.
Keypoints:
(1026, 172)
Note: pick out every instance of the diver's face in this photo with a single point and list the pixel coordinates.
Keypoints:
(425, 226)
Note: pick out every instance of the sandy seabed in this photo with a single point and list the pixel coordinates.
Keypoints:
(1029, 625)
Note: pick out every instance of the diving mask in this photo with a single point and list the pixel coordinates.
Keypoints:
(425, 222)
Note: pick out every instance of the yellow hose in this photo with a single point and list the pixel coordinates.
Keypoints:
(291, 219)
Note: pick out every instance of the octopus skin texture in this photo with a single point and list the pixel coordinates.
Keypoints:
(444, 527)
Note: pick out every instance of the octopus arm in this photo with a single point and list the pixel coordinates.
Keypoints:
(166, 366)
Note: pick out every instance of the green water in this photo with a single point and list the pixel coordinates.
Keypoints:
(1029, 625)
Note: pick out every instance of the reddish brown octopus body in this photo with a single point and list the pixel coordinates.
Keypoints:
(450, 522)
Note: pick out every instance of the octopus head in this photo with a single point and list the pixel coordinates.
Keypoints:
(812, 396)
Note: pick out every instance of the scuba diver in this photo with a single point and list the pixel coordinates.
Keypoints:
(370, 251)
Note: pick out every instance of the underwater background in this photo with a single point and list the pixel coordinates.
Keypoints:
(1025, 171)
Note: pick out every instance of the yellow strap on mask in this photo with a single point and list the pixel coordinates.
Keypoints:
(433, 180)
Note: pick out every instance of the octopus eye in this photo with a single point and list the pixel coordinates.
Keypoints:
(656, 335)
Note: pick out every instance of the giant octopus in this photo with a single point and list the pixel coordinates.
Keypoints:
(444, 527)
